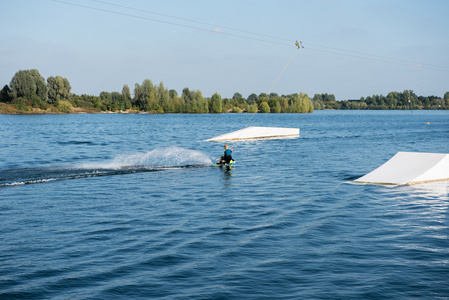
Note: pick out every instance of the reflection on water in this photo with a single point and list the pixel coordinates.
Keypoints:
(227, 176)
(437, 189)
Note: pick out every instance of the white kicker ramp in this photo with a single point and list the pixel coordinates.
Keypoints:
(410, 168)
(257, 133)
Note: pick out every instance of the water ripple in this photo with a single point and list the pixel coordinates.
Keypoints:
(148, 218)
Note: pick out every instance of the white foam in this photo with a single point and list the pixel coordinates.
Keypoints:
(17, 183)
(162, 157)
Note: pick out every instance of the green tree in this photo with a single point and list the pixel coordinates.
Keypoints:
(252, 99)
(227, 105)
(301, 104)
(262, 97)
(410, 99)
(106, 99)
(318, 97)
(58, 89)
(216, 104)
(252, 108)
(194, 101)
(126, 98)
(264, 107)
(318, 104)
(284, 104)
(426, 103)
(187, 99)
(4, 94)
(200, 103)
(239, 101)
(391, 100)
(163, 97)
(26, 83)
(144, 96)
(328, 97)
(381, 100)
(116, 100)
(175, 102)
(64, 106)
(138, 96)
(148, 97)
(275, 105)
(150, 102)
(274, 96)
(105, 96)
(236, 109)
(237, 96)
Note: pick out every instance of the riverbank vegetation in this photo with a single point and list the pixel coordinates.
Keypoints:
(394, 100)
(29, 92)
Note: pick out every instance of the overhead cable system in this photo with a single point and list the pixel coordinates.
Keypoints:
(131, 12)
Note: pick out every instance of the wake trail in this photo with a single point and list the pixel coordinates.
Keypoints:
(151, 161)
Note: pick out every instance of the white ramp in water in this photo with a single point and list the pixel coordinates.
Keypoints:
(257, 133)
(410, 168)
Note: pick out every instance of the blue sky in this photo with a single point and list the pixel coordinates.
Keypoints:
(351, 48)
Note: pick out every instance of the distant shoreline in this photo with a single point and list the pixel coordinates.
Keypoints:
(35, 112)
(11, 109)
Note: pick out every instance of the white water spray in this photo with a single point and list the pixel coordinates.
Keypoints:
(163, 157)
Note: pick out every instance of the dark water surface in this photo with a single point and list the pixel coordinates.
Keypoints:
(129, 207)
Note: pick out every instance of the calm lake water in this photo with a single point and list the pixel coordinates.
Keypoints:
(128, 206)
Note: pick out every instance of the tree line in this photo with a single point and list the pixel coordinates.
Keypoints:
(393, 100)
(29, 92)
